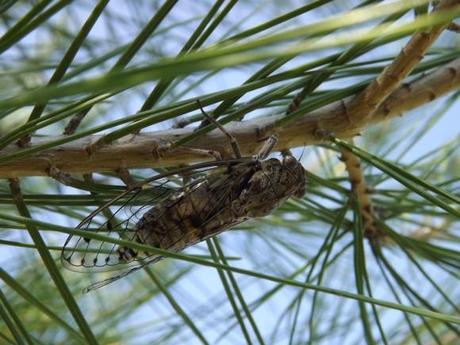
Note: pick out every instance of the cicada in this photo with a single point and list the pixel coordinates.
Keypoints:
(217, 196)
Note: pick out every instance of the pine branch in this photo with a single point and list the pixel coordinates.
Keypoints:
(364, 105)
(360, 190)
(151, 149)
(367, 102)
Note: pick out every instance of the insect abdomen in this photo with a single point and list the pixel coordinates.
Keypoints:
(184, 220)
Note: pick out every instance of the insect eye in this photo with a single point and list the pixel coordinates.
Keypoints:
(300, 192)
(290, 162)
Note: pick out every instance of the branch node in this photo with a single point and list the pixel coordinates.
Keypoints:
(431, 95)
(91, 149)
(453, 71)
(323, 134)
(345, 111)
(126, 177)
(406, 86)
(24, 141)
(160, 147)
(181, 123)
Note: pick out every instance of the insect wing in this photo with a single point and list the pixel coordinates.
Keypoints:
(206, 211)
(116, 219)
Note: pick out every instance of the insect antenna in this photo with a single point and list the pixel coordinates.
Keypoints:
(301, 155)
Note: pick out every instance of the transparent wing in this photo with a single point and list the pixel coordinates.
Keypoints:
(115, 219)
(118, 218)
(220, 189)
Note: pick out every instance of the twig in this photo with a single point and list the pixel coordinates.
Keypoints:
(360, 190)
(365, 104)
(65, 62)
(141, 151)
(126, 57)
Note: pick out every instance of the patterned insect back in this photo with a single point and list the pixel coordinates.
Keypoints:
(217, 203)
(216, 198)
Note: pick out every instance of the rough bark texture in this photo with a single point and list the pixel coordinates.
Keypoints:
(360, 190)
(144, 150)
(364, 105)
(367, 102)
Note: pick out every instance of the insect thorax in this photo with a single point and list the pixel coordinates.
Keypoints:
(271, 185)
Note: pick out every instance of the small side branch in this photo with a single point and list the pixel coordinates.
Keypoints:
(365, 104)
(361, 193)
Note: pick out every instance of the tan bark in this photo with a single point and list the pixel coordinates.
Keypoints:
(360, 190)
(367, 102)
(140, 151)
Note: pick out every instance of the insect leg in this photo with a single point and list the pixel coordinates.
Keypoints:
(212, 153)
(126, 177)
(233, 141)
(286, 153)
(268, 147)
